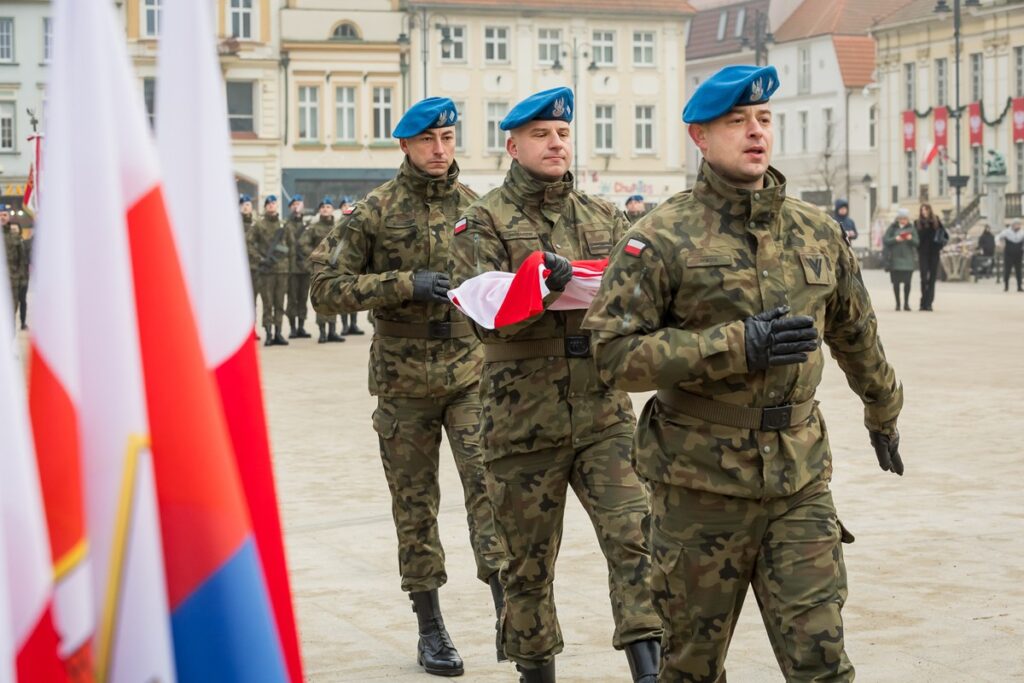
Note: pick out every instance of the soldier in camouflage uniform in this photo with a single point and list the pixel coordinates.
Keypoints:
(717, 299)
(274, 247)
(635, 208)
(13, 249)
(298, 276)
(548, 421)
(390, 255)
(251, 244)
(310, 239)
(23, 275)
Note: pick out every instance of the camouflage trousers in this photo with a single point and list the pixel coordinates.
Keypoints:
(708, 548)
(254, 276)
(274, 287)
(528, 492)
(298, 295)
(409, 430)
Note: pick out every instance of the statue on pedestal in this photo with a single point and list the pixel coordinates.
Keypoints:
(995, 165)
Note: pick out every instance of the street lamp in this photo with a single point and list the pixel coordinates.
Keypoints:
(760, 40)
(942, 8)
(443, 28)
(578, 49)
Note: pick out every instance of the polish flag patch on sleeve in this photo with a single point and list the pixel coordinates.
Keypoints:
(635, 247)
(347, 210)
(460, 226)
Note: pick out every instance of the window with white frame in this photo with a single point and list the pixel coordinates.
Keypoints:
(643, 136)
(741, 16)
(873, 126)
(1018, 59)
(911, 174)
(803, 69)
(457, 51)
(345, 114)
(6, 39)
(1020, 167)
(47, 39)
(7, 110)
(723, 19)
(909, 86)
(151, 18)
(309, 113)
(604, 47)
(780, 131)
(829, 125)
(604, 125)
(977, 77)
(549, 42)
(802, 116)
(941, 81)
(241, 19)
(976, 169)
(643, 48)
(241, 115)
(382, 112)
(495, 135)
(460, 142)
(496, 44)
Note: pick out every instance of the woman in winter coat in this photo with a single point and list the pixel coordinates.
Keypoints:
(901, 242)
(933, 238)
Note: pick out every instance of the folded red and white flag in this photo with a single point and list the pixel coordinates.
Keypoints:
(497, 299)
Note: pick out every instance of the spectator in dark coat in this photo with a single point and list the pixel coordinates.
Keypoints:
(842, 216)
(933, 237)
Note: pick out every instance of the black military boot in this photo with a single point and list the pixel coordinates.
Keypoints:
(353, 329)
(435, 651)
(545, 674)
(323, 333)
(278, 339)
(293, 326)
(301, 332)
(332, 336)
(644, 657)
(268, 338)
(344, 326)
(498, 594)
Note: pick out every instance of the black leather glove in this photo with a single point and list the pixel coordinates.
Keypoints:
(772, 339)
(887, 449)
(430, 286)
(561, 271)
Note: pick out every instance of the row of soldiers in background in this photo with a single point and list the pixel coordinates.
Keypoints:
(279, 267)
(19, 258)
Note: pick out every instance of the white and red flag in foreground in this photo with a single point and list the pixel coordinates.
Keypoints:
(195, 156)
(28, 639)
(124, 408)
(30, 200)
(496, 299)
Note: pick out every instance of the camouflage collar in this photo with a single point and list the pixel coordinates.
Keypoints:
(427, 185)
(524, 186)
(711, 189)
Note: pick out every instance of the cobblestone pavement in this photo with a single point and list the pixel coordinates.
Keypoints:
(936, 574)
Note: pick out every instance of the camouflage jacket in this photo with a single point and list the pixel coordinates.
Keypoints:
(273, 245)
(295, 227)
(315, 233)
(251, 241)
(670, 314)
(367, 262)
(548, 402)
(15, 253)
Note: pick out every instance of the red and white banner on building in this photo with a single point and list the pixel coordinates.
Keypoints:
(941, 126)
(1018, 119)
(909, 131)
(975, 125)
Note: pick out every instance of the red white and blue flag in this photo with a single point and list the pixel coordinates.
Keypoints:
(496, 299)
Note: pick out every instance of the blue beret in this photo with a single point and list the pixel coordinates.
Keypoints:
(733, 86)
(328, 200)
(346, 200)
(5, 207)
(269, 198)
(634, 198)
(547, 105)
(243, 198)
(295, 198)
(433, 112)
